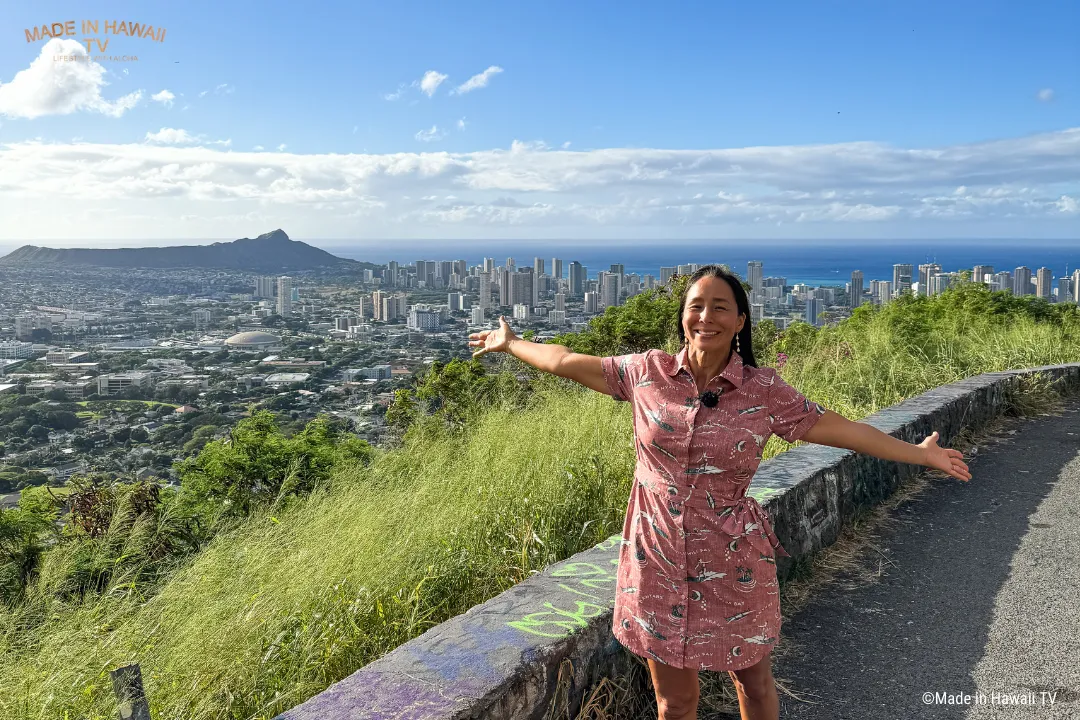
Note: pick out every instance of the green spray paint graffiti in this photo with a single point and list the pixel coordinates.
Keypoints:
(593, 584)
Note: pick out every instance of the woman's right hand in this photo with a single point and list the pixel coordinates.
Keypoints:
(497, 340)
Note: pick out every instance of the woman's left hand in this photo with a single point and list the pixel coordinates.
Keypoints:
(945, 459)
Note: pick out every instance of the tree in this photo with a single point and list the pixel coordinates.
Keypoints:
(139, 434)
(40, 433)
(257, 464)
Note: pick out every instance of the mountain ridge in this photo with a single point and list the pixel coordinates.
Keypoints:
(270, 252)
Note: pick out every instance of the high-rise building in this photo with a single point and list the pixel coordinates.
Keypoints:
(609, 289)
(556, 268)
(981, 273)
(390, 277)
(560, 301)
(538, 267)
(1076, 285)
(1022, 281)
(285, 295)
(510, 265)
(856, 291)
(456, 301)
(489, 264)
(522, 288)
(757, 312)
(665, 274)
(754, 275)
(264, 288)
(485, 292)
(377, 304)
(1064, 293)
(881, 291)
(592, 302)
(202, 319)
(1002, 281)
(901, 282)
(925, 271)
(393, 307)
(814, 308)
(577, 279)
(477, 315)
(938, 283)
(1043, 280)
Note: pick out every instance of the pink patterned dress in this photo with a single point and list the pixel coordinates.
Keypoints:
(697, 583)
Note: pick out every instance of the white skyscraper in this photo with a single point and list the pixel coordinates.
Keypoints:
(264, 288)
(556, 268)
(284, 291)
(754, 275)
(485, 293)
(1043, 280)
(856, 292)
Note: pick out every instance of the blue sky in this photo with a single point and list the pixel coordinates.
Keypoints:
(821, 120)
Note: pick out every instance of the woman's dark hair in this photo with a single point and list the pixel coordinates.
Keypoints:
(746, 345)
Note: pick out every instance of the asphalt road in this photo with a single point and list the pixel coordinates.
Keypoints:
(978, 603)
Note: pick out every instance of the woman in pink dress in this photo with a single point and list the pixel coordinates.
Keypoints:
(697, 586)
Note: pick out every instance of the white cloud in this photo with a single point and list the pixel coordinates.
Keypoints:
(1046, 94)
(477, 81)
(224, 89)
(177, 136)
(201, 94)
(397, 94)
(164, 97)
(461, 124)
(431, 81)
(431, 135)
(258, 148)
(566, 145)
(171, 136)
(56, 87)
(530, 189)
(281, 147)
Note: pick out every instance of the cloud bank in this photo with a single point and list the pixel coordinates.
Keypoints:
(175, 185)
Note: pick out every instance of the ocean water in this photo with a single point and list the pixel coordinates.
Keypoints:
(811, 263)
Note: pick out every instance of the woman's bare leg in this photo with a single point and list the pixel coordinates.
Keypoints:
(757, 691)
(677, 691)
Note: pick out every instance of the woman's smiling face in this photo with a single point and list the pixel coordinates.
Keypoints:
(711, 317)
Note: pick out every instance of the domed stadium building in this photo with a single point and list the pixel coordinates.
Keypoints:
(254, 341)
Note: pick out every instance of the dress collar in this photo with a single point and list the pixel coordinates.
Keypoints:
(733, 372)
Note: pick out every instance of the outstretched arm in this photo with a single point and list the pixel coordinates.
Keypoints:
(836, 430)
(555, 359)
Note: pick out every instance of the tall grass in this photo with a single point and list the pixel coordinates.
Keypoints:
(272, 612)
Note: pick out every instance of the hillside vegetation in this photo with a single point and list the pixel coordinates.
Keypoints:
(284, 564)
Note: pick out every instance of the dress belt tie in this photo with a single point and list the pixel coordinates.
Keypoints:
(742, 517)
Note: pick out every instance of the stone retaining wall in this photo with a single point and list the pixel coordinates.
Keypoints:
(502, 659)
